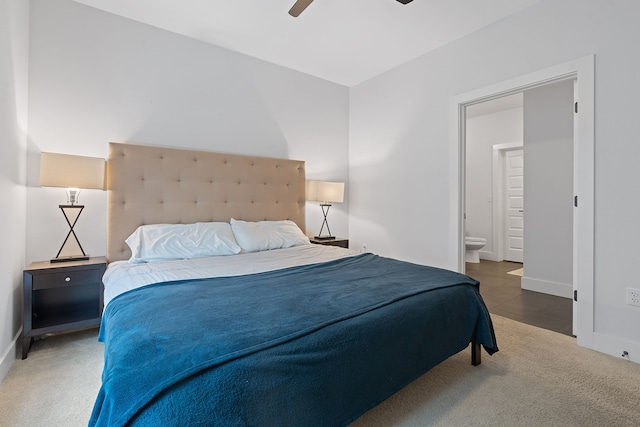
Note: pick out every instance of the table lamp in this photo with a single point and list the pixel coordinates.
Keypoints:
(325, 193)
(72, 173)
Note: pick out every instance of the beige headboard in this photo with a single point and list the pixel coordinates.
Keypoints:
(156, 185)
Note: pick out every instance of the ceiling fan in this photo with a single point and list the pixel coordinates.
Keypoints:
(300, 5)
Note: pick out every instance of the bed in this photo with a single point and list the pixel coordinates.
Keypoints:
(276, 331)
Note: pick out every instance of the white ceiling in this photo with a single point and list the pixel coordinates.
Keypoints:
(343, 41)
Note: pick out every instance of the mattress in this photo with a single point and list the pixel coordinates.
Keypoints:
(122, 276)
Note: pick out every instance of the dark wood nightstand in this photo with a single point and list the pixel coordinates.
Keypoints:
(338, 241)
(61, 297)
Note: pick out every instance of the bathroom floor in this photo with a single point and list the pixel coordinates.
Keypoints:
(504, 297)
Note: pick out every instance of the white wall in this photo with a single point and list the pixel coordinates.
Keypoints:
(548, 184)
(97, 77)
(14, 39)
(399, 148)
(482, 133)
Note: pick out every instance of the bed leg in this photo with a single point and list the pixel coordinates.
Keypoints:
(476, 354)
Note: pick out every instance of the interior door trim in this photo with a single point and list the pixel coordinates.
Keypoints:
(583, 70)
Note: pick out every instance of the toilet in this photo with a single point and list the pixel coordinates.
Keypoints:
(472, 248)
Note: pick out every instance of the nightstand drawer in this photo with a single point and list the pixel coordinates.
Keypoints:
(68, 278)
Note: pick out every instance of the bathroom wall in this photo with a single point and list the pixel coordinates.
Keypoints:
(548, 182)
(482, 133)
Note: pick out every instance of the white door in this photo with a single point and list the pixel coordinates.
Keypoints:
(514, 197)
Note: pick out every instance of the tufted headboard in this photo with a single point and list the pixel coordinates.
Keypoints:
(157, 185)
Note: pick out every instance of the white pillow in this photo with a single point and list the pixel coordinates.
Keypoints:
(179, 241)
(266, 235)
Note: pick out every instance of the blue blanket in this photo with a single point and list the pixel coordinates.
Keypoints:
(254, 350)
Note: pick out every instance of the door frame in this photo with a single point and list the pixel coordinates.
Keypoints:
(582, 70)
(498, 176)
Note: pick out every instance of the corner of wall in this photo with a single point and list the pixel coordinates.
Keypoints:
(14, 72)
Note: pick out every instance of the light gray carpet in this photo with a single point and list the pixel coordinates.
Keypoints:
(539, 378)
(56, 384)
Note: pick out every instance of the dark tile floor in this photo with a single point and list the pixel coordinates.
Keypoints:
(504, 297)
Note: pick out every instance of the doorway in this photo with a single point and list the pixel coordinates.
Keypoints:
(546, 114)
(583, 235)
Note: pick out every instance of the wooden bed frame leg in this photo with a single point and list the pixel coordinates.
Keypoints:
(476, 354)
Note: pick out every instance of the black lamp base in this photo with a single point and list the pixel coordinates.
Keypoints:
(324, 237)
(71, 243)
(70, 258)
(325, 210)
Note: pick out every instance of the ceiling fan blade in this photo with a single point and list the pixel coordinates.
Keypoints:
(299, 7)
(405, 1)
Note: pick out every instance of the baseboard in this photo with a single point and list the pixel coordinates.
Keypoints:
(610, 345)
(547, 287)
(9, 357)
(489, 256)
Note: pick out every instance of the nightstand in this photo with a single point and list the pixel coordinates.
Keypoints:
(338, 241)
(61, 297)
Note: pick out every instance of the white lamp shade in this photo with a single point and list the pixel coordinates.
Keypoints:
(64, 170)
(327, 192)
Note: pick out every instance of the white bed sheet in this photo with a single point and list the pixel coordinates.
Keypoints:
(121, 276)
